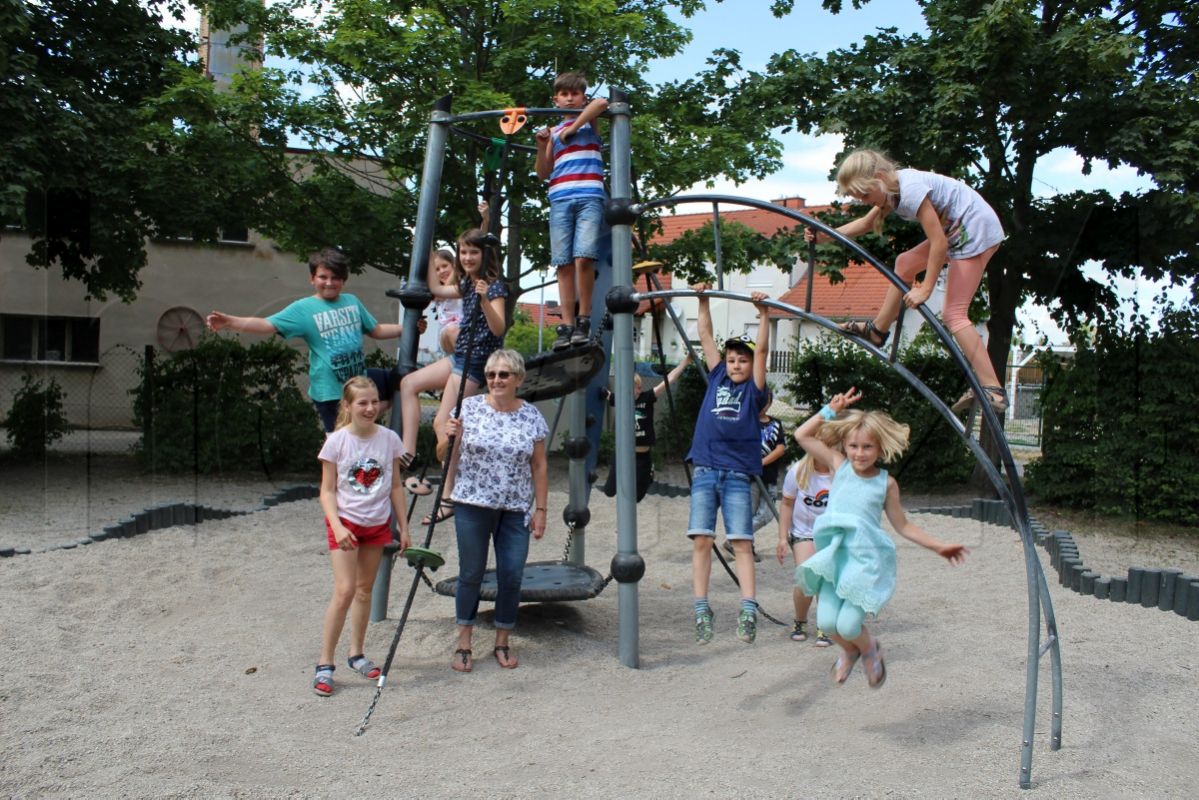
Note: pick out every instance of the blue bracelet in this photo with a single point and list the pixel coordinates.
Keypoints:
(828, 413)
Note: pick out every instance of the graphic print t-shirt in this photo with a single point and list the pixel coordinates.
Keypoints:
(727, 434)
(333, 332)
(810, 500)
(772, 437)
(364, 468)
(970, 225)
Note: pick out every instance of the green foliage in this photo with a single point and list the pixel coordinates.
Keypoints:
(222, 407)
(1119, 433)
(936, 457)
(522, 336)
(675, 413)
(36, 419)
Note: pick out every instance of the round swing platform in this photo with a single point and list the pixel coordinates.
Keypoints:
(560, 372)
(544, 581)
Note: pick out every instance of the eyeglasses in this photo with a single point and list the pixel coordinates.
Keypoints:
(501, 374)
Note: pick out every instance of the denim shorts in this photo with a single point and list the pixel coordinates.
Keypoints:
(727, 490)
(575, 229)
(475, 373)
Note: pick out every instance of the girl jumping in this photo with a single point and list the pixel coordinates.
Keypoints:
(852, 572)
(961, 229)
(360, 494)
(477, 282)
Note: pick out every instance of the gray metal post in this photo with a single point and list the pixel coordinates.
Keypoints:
(422, 242)
(622, 354)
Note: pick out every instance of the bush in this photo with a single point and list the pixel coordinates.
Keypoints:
(36, 419)
(936, 457)
(224, 407)
(1119, 431)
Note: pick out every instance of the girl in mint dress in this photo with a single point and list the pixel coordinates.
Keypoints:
(852, 572)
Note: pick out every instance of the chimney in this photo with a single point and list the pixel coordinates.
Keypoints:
(790, 202)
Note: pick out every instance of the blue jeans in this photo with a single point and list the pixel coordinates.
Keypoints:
(575, 229)
(727, 490)
(475, 527)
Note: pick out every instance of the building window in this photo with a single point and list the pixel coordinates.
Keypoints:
(74, 339)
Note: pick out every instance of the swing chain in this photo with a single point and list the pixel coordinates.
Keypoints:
(570, 539)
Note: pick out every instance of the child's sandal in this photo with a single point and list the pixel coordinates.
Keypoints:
(876, 668)
(418, 486)
(364, 666)
(322, 684)
(868, 331)
(843, 666)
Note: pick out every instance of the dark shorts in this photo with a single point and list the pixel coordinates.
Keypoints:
(385, 382)
(645, 476)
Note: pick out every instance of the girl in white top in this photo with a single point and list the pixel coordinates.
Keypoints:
(805, 496)
(446, 310)
(361, 494)
(962, 229)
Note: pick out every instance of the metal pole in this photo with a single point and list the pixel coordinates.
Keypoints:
(422, 243)
(622, 354)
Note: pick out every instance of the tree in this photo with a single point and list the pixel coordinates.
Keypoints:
(993, 88)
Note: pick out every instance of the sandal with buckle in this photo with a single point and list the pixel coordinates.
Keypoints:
(445, 510)
(504, 650)
(867, 331)
(876, 668)
(462, 660)
(418, 486)
(843, 666)
(364, 666)
(322, 684)
(996, 396)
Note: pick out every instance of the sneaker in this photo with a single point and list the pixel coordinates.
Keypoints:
(822, 640)
(563, 340)
(703, 627)
(799, 632)
(582, 332)
(747, 627)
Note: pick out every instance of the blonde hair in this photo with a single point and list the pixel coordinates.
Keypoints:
(859, 174)
(349, 391)
(891, 436)
(807, 465)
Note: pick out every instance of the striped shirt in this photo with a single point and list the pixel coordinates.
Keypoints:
(578, 165)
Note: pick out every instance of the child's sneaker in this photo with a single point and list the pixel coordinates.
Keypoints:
(564, 334)
(582, 332)
(822, 640)
(747, 626)
(799, 632)
(703, 627)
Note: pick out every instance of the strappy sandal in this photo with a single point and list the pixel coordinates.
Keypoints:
(505, 650)
(406, 460)
(845, 662)
(322, 684)
(867, 331)
(445, 510)
(996, 396)
(418, 486)
(364, 666)
(876, 668)
(462, 660)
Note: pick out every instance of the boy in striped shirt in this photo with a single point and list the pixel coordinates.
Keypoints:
(570, 157)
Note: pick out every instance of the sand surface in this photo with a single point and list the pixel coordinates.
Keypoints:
(179, 664)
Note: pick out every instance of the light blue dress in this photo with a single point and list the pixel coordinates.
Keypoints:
(852, 552)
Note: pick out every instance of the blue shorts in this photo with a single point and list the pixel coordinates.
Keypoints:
(727, 490)
(576, 229)
(475, 373)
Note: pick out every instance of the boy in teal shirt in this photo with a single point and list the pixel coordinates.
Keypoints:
(331, 324)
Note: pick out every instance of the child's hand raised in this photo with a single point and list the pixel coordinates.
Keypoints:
(953, 553)
(840, 402)
(481, 288)
(542, 135)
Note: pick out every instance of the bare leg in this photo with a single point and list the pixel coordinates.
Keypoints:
(585, 280)
(701, 564)
(802, 551)
(345, 577)
(360, 609)
(424, 379)
(566, 292)
(909, 264)
(744, 553)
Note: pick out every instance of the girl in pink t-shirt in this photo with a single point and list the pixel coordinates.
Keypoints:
(360, 490)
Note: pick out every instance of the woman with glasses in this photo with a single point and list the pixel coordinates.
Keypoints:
(501, 489)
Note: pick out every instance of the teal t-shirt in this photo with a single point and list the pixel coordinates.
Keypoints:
(333, 332)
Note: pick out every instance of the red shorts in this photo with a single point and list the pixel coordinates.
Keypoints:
(367, 535)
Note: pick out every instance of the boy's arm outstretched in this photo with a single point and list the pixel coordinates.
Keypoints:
(762, 348)
(544, 163)
(590, 112)
(953, 553)
(218, 321)
(805, 435)
(673, 375)
(707, 339)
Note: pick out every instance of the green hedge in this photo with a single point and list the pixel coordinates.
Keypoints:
(1120, 431)
(36, 420)
(936, 456)
(222, 407)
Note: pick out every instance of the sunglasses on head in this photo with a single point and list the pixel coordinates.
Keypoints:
(502, 374)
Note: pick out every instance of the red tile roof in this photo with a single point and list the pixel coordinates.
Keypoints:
(858, 296)
(552, 315)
